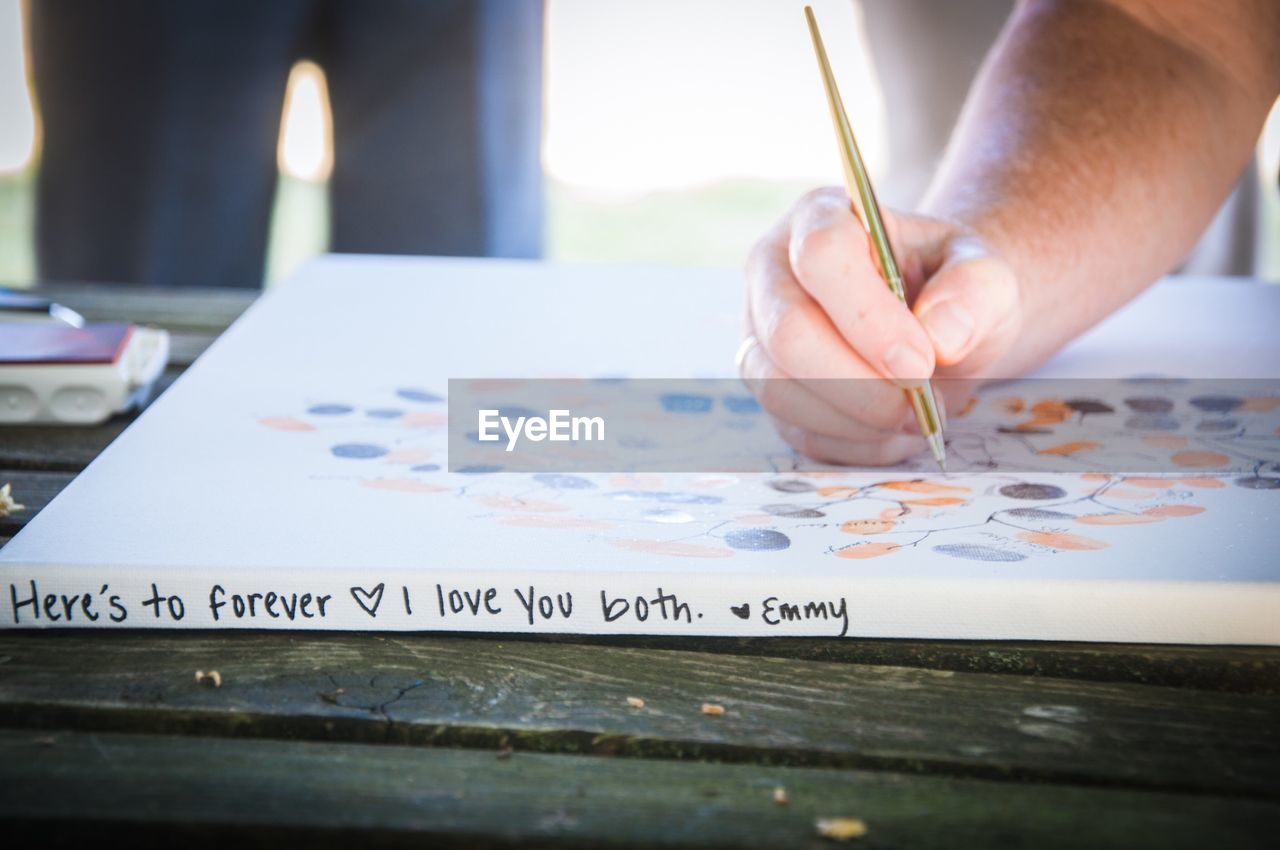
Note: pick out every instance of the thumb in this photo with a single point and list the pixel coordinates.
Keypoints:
(969, 307)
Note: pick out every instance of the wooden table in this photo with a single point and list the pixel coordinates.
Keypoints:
(390, 740)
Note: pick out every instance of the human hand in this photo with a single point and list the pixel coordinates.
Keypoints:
(829, 347)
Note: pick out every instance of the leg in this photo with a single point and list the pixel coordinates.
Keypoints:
(437, 127)
(160, 127)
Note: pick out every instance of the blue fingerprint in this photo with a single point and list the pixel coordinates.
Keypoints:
(358, 451)
(329, 409)
(384, 413)
(1257, 482)
(757, 539)
(561, 481)
(1151, 422)
(479, 468)
(686, 403)
(1217, 425)
(425, 467)
(976, 552)
(413, 394)
(741, 404)
(666, 496)
(1216, 403)
(1037, 513)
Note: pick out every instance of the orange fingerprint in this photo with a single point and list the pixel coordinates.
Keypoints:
(1165, 441)
(1031, 424)
(407, 456)
(424, 419)
(1203, 481)
(1011, 404)
(1260, 404)
(1149, 483)
(1200, 460)
(507, 503)
(1095, 476)
(867, 526)
(866, 550)
(1174, 510)
(664, 547)
(1117, 519)
(1051, 408)
(1062, 540)
(924, 487)
(538, 521)
(286, 423)
(1070, 448)
(838, 492)
(969, 404)
(935, 501)
(404, 485)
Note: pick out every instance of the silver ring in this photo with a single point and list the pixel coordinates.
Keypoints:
(743, 350)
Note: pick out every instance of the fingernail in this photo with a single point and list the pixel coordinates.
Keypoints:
(950, 326)
(906, 364)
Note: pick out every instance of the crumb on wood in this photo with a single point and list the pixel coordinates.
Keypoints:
(841, 829)
(7, 502)
(712, 710)
(212, 679)
(780, 797)
(635, 702)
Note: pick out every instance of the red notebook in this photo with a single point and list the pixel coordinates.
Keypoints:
(30, 343)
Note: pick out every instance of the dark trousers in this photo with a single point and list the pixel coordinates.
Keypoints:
(161, 117)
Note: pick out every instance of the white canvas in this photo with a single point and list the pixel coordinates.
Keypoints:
(235, 483)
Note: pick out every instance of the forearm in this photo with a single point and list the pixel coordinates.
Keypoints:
(1097, 144)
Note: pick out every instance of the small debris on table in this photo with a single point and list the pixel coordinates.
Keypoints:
(780, 797)
(212, 679)
(712, 710)
(841, 829)
(7, 503)
(635, 702)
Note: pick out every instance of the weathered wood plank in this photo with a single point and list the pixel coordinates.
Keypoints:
(186, 346)
(64, 783)
(568, 698)
(32, 490)
(1239, 669)
(194, 308)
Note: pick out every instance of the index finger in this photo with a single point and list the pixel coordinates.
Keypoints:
(831, 258)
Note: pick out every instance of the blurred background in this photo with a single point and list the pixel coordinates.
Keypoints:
(674, 132)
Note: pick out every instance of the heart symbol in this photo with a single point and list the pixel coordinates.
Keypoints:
(369, 600)
(742, 612)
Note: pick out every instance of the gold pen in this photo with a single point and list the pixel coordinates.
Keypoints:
(863, 199)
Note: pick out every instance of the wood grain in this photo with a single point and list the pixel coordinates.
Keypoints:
(430, 690)
(191, 308)
(210, 792)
